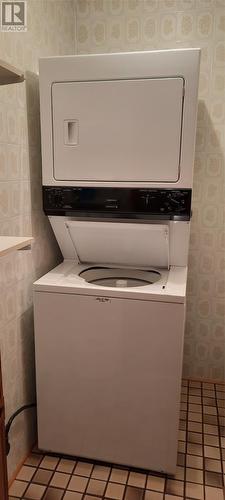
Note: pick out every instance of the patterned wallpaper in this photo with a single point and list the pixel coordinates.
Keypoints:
(50, 32)
(126, 25)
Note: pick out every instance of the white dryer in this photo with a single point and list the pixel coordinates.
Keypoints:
(118, 137)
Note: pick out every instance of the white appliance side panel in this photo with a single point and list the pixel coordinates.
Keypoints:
(179, 242)
(120, 243)
(108, 378)
(124, 130)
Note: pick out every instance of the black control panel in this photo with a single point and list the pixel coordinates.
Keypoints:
(135, 203)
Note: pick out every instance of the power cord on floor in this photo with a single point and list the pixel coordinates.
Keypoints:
(10, 421)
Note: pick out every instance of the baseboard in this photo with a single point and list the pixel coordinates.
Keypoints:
(10, 481)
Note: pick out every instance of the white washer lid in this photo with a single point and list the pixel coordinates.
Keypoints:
(131, 244)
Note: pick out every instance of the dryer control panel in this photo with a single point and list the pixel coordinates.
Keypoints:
(125, 203)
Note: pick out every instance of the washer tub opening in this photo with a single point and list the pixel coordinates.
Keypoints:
(119, 277)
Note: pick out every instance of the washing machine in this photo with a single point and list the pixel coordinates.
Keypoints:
(118, 135)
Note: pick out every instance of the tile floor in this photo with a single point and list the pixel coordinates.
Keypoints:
(200, 463)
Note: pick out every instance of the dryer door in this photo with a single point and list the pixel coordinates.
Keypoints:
(118, 131)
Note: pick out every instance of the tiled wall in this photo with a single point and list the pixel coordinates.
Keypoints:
(125, 25)
(50, 32)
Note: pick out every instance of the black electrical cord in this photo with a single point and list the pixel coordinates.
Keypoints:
(10, 421)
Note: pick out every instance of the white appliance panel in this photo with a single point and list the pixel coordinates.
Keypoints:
(66, 278)
(95, 69)
(108, 378)
(120, 243)
(118, 131)
(179, 233)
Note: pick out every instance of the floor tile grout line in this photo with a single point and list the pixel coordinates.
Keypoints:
(49, 485)
(24, 493)
(203, 441)
(220, 443)
(122, 484)
(165, 485)
(64, 493)
(70, 474)
(126, 484)
(186, 442)
(145, 486)
(89, 479)
(77, 475)
(166, 476)
(53, 471)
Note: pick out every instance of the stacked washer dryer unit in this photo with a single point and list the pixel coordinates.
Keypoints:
(118, 138)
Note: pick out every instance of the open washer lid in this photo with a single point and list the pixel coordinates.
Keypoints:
(118, 243)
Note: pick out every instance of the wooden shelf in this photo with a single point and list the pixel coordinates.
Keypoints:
(10, 243)
(9, 74)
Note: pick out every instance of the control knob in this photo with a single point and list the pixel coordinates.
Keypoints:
(58, 199)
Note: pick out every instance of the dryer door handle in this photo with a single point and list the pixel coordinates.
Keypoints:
(71, 132)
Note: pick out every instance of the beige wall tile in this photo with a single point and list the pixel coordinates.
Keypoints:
(50, 31)
(155, 24)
